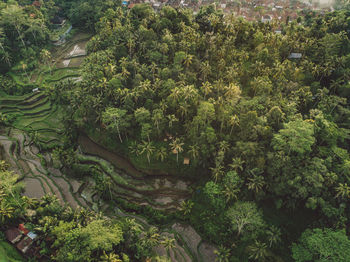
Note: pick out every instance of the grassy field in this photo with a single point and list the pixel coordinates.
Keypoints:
(8, 253)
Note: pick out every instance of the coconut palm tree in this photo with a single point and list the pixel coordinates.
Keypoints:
(157, 118)
(151, 237)
(188, 60)
(111, 257)
(258, 251)
(256, 183)
(223, 254)
(230, 193)
(6, 211)
(343, 190)
(148, 149)
(273, 235)
(237, 163)
(205, 70)
(193, 151)
(125, 73)
(6, 55)
(45, 57)
(171, 119)
(168, 243)
(177, 146)
(186, 206)
(134, 148)
(133, 226)
(217, 172)
(161, 154)
(206, 88)
(24, 68)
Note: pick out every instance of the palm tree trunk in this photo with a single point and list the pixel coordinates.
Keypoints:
(20, 37)
(120, 138)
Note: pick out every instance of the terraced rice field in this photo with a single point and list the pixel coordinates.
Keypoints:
(37, 124)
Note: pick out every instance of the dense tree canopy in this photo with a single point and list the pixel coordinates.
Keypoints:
(215, 98)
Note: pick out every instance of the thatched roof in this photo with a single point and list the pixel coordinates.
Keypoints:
(13, 235)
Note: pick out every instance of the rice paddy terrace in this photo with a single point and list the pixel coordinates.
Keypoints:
(37, 128)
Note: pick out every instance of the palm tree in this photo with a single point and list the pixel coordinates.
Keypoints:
(161, 154)
(172, 119)
(45, 57)
(4, 166)
(258, 251)
(24, 68)
(206, 88)
(153, 68)
(145, 85)
(168, 243)
(134, 148)
(343, 190)
(183, 109)
(111, 257)
(233, 121)
(188, 60)
(106, 183)
(6, 211)
(273, 235)
(6, 54)
(148, 149)
(256, 183)
(205, 70)
(224, 146)
(133, 226)
(237, 163)
(217, 172)
(233, 93)
(125, 73)
(48, 199)
(151, 237)
(230, 193)
(186, 206)
(177, 146)
(110, 69)
(134, 65)
(223, 254)
(194, 151)
(157, 117)
(131, 44)
(123, 62)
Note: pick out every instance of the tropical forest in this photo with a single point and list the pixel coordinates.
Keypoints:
(135, 133)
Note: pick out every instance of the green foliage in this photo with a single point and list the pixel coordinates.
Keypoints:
(322, 245)
(8, 253)
(296, 136)
(245, 218)
(163, 86)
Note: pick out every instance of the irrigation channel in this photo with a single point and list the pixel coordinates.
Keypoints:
(38, 120)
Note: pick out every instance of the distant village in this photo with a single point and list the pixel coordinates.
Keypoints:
(253, 10)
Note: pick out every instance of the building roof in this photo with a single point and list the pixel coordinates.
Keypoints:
(22, 228)
(32, 235)
(24, 244)
(36, 3)
(295, 55)
(13, 235)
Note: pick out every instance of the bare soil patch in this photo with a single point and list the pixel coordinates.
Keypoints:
(207, 252)
(33, 188)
